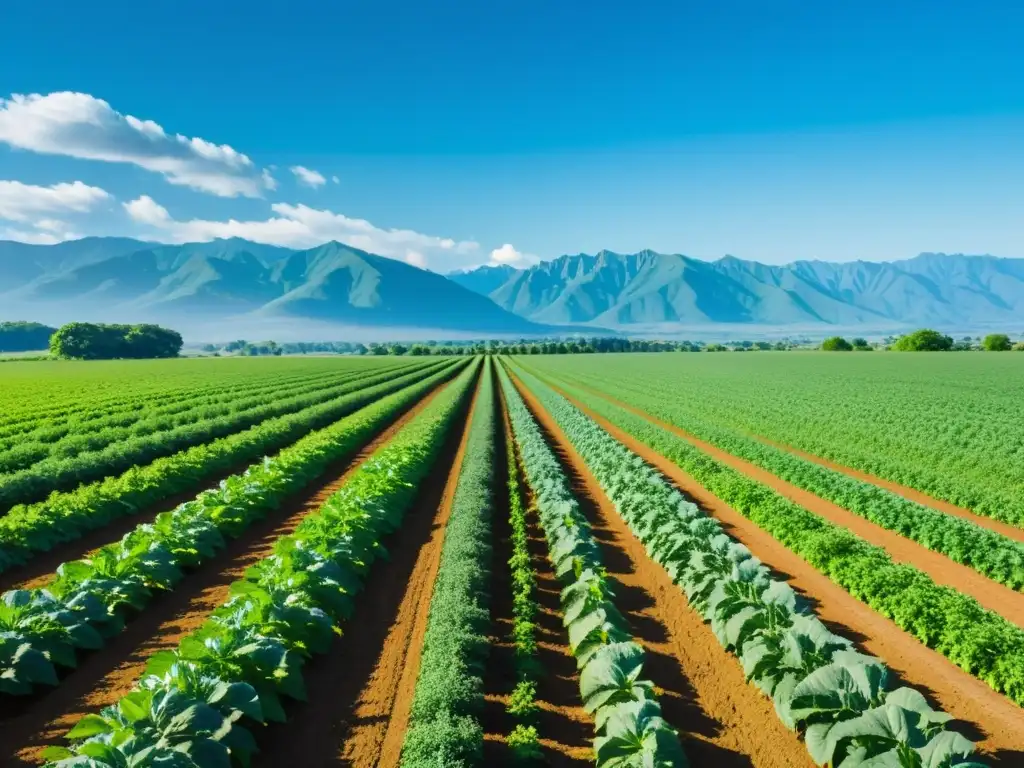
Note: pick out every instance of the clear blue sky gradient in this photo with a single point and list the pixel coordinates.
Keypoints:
(769, 130)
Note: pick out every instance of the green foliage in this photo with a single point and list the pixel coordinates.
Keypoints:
(449, 688)
(948, 425)
(837, 344)
(816, 680)
(524, 742)
(923, 340)
(993, 648)
(996, 342)
(33, 471)
(90, 599)
(96, 341)
(233, 672)
(21, 336)
(26, 530)
(629, 729)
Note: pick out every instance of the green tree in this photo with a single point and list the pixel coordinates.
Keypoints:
(836, 344)
(923, 340)
(20, 336)
(95, 341)
(996, 342)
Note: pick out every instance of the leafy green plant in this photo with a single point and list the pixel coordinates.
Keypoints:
(202, 699)
(816, 680)
(90, 599)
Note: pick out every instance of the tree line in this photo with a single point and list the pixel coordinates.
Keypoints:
(927, 340)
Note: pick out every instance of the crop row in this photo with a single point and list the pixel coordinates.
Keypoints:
(26, 530)
(980, 642)
(89, 600)
(948, 427)
(201, 702)
(62, 473)
(446, 706)
(991, 554)
(74, 438)
(523, 741)
(88, 417)
(630, 728)
(820, 685)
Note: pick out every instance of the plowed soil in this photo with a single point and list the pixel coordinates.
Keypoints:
(981, 714)
(991, 595)
(564, 729)
(911, 494)
(39, 570)
(106, 675)
(722, 720)
(360, 693)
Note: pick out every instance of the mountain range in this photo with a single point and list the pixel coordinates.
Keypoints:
(650, 289)
(223, 288)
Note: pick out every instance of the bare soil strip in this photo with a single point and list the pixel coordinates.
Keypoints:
(360, 693)
(911, 494)
(105, 676)
(564, 728)
(722, 720)
(983, 715)
(990, 594)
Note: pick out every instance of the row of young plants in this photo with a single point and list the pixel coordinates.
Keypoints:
(65, 472)
(978, 641)
(524, 740)
(444, 722)
(90, 435)
(89, 600)
(199, 704)
(932, 423)
(89, 393)
(144, 411)
(627, 715)
(991, 554)
(838, 699)
(30, 529)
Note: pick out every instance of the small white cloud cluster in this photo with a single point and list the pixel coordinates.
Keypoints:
(308, 176)
(82, 126)
(37, 207)
(299, 226)
(507, 254)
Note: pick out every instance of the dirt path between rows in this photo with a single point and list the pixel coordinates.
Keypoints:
(38, 571)
(911, 494)
(564, 729)
(996, 597)
(983, 715)
(105, 676)
(722, 720)
(360, 693)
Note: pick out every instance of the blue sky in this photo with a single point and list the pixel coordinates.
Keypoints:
(464, 132)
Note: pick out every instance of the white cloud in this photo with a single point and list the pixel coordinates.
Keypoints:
(24, 202)
(82, 126)
(509, 255)
(308, 176)
(335, 179)
(299, 226)
(269, 181)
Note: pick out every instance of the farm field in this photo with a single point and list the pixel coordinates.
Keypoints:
(563, 560)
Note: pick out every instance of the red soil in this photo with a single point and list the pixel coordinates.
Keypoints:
(564, 729)
(105, 676)
(723, 721)
(360, 693)
(996, 597)
(983, 715)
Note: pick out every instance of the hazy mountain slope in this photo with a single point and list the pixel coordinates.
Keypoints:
(21, 263)
(232, 279)
(482, 279)
(649, 288)
(346, 285)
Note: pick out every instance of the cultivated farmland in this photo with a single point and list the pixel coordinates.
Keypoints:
(770, 559)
